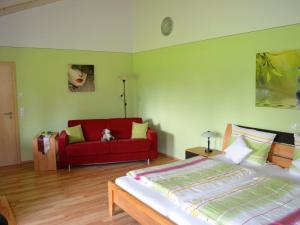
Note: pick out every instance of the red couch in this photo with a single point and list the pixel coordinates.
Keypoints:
(123, 148)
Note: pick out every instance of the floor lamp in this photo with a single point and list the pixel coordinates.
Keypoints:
(123, 95)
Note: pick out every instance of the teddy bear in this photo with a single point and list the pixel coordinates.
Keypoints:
(106, 135)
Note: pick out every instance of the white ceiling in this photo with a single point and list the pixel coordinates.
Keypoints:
(100, 25)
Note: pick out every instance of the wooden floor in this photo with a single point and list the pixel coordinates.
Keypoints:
(59, 198)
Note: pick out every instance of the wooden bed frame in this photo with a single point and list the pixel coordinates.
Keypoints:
(6, 211)
(281, 154)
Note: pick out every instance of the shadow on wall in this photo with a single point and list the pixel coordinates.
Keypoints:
(218, 141)
(165, 139)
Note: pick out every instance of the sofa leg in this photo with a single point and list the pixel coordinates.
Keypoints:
(69, 167)
(148, 161)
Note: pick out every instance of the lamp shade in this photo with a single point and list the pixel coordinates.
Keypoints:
(209, 134)
(123, 77)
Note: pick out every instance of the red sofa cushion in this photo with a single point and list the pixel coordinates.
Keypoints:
(88, 148)
(92, 128)
(121, 127)
(129, 145)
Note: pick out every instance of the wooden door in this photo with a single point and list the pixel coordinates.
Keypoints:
(9, 138)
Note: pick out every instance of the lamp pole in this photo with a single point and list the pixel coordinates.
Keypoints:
(208, 134)
(123, 78)
(124, 98)
(208, 144)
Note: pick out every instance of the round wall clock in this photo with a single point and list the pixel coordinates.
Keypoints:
(167, 26)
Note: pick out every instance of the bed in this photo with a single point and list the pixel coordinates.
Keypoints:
(151, 207)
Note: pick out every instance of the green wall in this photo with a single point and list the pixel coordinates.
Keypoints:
(42, 79)
(183, 90)
(187, 89)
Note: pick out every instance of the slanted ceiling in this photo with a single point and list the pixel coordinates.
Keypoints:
(12, 6)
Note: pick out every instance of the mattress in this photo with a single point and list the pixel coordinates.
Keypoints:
(165, 207)
(158, 202)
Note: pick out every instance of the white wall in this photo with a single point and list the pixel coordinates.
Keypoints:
(102, 25)
(196, 20)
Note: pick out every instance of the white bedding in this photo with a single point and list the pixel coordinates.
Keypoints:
(157, 201)
(164, 206)
(267, 170)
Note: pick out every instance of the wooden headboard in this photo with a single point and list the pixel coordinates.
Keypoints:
(282, 149)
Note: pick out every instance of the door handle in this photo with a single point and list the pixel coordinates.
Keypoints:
(8, 114)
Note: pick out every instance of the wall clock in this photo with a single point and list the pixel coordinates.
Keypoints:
(167, 26)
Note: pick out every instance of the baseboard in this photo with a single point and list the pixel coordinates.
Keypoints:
(169, 156)
(18, 164)
(26, 162)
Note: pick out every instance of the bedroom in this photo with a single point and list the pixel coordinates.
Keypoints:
(200, 77)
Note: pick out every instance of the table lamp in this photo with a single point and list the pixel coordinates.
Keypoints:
(208, 134)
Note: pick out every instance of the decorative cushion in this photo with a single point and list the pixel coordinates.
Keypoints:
(260, 142)
(75, 134)
(295, 167)
(238, 150)
(139, 130)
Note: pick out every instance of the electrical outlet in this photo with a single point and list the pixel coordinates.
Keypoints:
(22, 112)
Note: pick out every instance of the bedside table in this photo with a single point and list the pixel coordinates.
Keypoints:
(48, 161)
(192, 152)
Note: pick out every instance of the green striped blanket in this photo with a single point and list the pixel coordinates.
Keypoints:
(223, 193)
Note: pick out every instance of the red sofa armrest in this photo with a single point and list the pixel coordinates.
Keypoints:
(63, 141)
(152, 136)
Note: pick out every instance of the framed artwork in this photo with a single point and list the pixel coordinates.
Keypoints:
(278, 79)
(81, 78)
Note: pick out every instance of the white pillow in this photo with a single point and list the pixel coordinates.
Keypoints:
(238, 150)
(260, 143)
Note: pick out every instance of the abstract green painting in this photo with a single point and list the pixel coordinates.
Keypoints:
(278, 79)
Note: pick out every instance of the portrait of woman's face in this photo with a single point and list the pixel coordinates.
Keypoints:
(81, 78)
(76, 77)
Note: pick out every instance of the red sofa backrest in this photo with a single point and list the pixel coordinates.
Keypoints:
(92, 128)
(121, 127)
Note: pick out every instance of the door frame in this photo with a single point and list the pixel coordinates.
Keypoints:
(16, 116)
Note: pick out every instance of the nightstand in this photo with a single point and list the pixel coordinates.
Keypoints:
(192, 152)
(48, 161)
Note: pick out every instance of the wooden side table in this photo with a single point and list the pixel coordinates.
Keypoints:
(192, 152)
(48, 161)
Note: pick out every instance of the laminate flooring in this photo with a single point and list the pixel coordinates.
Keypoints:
(61, 198)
